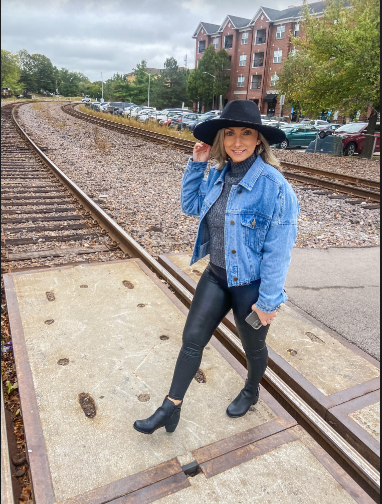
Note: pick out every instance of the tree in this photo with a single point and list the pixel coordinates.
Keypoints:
(337, 66)
(37, 72)
(170, 86)
(10, 71)
(209, 79)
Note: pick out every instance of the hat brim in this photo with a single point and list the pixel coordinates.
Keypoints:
(207, 130)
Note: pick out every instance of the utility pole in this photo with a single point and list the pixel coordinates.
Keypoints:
(148, 92)
(102, 86)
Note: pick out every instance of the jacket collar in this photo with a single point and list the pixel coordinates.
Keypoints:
(249, 179)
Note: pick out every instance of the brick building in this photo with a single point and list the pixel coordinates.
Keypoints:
(257, 48)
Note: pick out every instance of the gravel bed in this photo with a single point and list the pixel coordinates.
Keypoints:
(347, 165)
(141, 182)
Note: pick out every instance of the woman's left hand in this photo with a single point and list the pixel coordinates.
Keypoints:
(265, 318)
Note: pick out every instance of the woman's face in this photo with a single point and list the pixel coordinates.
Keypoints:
(240, 143)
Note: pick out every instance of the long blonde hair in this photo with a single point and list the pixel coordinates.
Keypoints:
(263, 149)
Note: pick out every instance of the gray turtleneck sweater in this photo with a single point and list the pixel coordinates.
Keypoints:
(216, 214)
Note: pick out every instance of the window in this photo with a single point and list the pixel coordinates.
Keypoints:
(274, 79)
(277, 56)
(240, 81)
(243, 60)
(228, 42)
(296, 29)
(280, 32)
(244, 38)
(202, 46)
(293, 51)
(215, 41)
(260, 36)
(255, 81)
(229, 64)
(258, 59)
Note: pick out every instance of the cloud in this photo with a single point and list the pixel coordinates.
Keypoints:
(113, 35)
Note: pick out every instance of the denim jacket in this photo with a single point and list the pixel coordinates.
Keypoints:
(260, 225)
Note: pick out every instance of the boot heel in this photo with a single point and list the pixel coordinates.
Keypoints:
(172, 427)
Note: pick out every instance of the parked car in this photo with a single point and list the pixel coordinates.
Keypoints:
(353, 137)
(133, 112)
(144, 115)
(327, 130)
(166, 121)
(86, 100)
(178, 119)
(164, 114)
(300, 136)
(205, 117)
(184, 119)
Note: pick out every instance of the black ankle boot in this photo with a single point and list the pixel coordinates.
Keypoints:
(247, 398)
(166, 416)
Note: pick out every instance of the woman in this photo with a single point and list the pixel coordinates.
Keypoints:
(248, 223)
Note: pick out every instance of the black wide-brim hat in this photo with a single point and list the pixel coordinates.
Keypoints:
(243, 113)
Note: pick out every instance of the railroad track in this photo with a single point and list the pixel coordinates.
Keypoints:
(32, 182)
(358, 187)
(40, 217)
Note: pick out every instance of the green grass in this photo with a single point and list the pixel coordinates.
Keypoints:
(148, 126)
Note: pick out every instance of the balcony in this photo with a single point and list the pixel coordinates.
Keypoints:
(258, 60)
(259, 40)
(255, 85)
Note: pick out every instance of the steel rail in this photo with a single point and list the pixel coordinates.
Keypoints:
(129, 245)
(339, 176)
(350, 190)
(188, 145)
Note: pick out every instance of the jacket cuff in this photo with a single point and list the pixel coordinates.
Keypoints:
(268, 309)
(196, 165)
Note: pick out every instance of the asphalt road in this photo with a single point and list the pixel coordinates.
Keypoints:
(339, 287)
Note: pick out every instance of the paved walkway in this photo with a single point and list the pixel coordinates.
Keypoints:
(340, 288)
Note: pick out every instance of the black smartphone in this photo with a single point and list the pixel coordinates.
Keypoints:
(254, 321)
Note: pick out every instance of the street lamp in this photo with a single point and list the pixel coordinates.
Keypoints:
(148, 93)
(213, 94)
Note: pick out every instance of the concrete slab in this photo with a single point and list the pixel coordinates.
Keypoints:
(369, 419)
(110, 331)
(341, 288)
(293, 471)
(326, 363)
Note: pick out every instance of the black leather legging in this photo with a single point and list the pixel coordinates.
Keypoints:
(212, 301)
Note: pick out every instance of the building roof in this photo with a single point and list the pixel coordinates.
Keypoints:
(273, 15)
(239, 22)
(292, 12)
(208, 27)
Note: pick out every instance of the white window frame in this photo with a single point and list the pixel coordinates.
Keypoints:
(244, 38)
(243, 60)
(293, 51)
(215, 42)
(277, 56)
(253, 80)
(199, 51)
(274, 79)
(280, 30)
(296, 29)
(240, 81)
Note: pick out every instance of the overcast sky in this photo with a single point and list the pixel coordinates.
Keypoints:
(113, 35)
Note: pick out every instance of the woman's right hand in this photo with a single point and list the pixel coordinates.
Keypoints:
(201, 152)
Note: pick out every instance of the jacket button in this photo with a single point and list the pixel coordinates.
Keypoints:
(239, 191)
(233, 251)
(232, 222)
(254, 222)
(235, 279)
